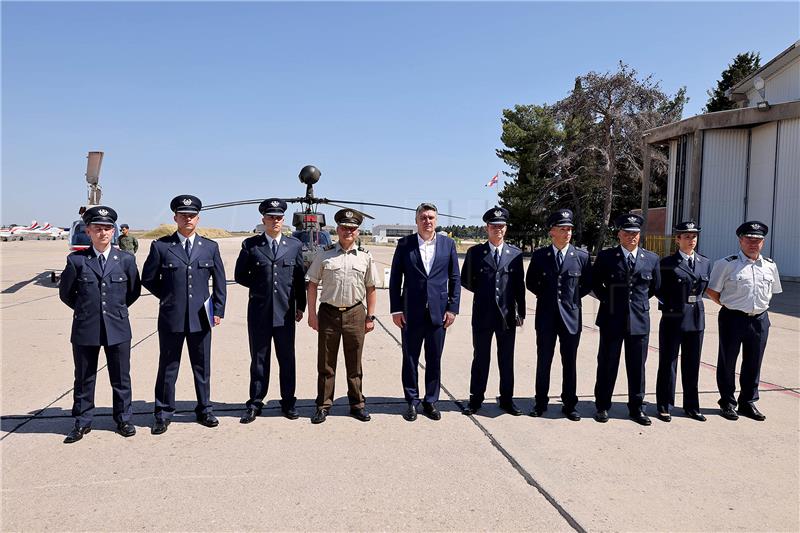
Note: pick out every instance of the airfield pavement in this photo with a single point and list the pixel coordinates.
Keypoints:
(491, 471)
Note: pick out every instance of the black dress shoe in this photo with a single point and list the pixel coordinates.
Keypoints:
(160, 426)
(510, 408)
(571, 414)
(751, 411)
(208, 420)
(694, 414)
(601, 416)
(640, 418)
(411, 413)
(290, 413)
(249, 415)
(537, 411)
(470, 409)
(359, 413)
(126, 429)
(77, 434)
(431, 411)
(664, 416)
(320, 416)
(728, 413)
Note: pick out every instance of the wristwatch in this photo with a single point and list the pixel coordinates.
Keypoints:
(370, 318)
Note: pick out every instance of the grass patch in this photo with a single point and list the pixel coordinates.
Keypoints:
(168, 229)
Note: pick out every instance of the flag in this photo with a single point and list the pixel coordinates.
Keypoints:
(493, 181)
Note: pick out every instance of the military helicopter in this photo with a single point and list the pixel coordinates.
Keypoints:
(309, 222)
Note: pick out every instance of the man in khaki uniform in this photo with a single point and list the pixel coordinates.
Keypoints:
(347, 276)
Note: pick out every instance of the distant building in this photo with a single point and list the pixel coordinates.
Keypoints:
(391, 233)
(743, 164)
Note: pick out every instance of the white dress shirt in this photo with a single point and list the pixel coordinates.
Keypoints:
(427, 251)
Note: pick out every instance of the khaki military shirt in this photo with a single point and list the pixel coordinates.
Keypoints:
(344, 276)
(743, 284)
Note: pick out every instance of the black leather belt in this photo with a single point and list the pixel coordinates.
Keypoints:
(742, 313)
(340, 309)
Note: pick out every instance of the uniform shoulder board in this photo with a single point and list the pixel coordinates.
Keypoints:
(769, 259)
(362, 249)
(329, 247)
(731, 258)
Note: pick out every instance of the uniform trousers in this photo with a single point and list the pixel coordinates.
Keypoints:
(261, 334)
(169, 361)
(413, 338)
(118, 357)
(481, 357)
(348, 327)
(608, 355)
(545, 349)
(738, 331)
(671, 341)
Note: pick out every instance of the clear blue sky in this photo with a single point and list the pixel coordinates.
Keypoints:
(395, 103)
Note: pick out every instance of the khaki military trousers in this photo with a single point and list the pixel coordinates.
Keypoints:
(347, 326)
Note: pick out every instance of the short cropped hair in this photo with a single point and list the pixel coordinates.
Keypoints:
(426, 206)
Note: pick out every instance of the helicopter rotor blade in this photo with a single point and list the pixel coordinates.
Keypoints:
(327, 201)
(348, 207)
(253, 201)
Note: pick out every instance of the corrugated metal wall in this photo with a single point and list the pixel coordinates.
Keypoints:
(673, 156)
(783, 86)
(723, 185)
(761, 182)
(786, 227)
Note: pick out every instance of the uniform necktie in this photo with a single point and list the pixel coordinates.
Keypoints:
(559, 259)
(691, 264)
(497, 256)
(274, 248)
(102, 259)
(188, 247)
(631, 263)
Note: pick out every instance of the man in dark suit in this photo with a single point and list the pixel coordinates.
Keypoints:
(493, 271)
(684, 279)
(623, 279)
(271, 266)
(559, 275)
(99, 284)
(424, 292)
(177, 271)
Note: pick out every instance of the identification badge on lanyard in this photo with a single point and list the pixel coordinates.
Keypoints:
(692, 299)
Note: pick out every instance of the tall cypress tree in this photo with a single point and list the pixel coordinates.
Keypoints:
(742, 66)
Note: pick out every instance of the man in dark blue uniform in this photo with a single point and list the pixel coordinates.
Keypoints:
(99, 284)
(177, 271)
(684, 279)
(493, 271)
(271, 266)
(559, 275)
(624, 278)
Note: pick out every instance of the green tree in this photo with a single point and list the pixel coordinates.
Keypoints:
(742, 66)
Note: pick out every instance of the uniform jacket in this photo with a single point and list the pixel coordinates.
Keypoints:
(678, 284)
(625, 297)
(100, 298)
(501, 287)
(257, 269)
(181, 283)
(416, 293)
(559, 291)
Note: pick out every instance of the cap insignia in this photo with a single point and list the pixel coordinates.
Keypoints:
(274, 203)
(348, 214)
(102, 212)
(565, 214)
(632, 220)
(498, 213)
(187, 201)
(755, 226)
(690, 225)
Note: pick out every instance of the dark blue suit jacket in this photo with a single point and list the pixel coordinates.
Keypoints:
(84, 287)
(559, 291)
(625, 297)
(480, 275)
(418, 294)
(258, 270)
(181, 283)
(678, 283)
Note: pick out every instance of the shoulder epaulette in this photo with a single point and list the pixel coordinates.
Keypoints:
(731, 258)
(329, 247)
(769, 259)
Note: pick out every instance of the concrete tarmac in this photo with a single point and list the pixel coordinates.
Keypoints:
(490, 471)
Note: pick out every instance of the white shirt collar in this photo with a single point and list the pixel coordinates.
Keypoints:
(686, 257)
(634, 253)
(270, 239)
(492, 247)
(745, 259)
(423, 242)
(98, 253)
(563, 250)
(183, 239)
